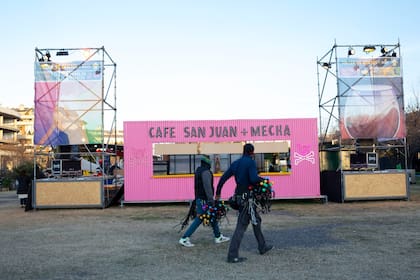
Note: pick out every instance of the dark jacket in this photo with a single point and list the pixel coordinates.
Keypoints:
(245, 172)
(203, 183)
(24, 182)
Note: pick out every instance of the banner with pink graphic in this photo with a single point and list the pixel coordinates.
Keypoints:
(68, 102)
(142, 138)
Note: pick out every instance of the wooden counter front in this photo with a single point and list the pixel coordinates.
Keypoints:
(375, 185)
(68, 194)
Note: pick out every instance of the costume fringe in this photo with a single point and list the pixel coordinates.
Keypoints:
(191, 215)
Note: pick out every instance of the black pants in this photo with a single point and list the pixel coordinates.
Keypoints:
(28, 205)
(244, 218)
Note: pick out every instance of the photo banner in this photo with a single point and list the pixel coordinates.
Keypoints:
(371, 104)
(68, 103)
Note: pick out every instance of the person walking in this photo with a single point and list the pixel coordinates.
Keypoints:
(245, 172)
(203, 192)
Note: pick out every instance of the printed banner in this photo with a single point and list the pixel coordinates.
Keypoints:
(68, 102)
(371, 101)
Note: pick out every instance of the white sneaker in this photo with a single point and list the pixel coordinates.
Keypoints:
(185, 242)
(221, 239)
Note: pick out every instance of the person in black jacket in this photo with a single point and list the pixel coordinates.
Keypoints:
(203, 192)
(39, 175)
(246, 175)
(23, 186)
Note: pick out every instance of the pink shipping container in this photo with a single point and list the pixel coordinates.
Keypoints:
(143, 138)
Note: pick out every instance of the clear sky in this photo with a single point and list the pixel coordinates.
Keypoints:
(193, 60)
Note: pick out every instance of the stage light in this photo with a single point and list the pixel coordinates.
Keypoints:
(326, 65)
(369, 49)
(394, 54)
(384, 50)
(351, 51)
(45, 57)
(62, 52)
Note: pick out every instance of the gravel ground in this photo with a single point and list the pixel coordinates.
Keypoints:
(352, 240)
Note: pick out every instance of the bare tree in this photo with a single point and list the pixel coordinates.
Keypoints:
(412, 120)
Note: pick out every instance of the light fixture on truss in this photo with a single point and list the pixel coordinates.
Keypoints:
(369, 49)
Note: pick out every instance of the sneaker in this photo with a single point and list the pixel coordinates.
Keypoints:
(221, 239)
(185, 242)
(236, 260)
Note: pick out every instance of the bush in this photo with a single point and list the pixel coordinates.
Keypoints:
(7, 181)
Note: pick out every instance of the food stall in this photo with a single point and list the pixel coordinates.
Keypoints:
(161, 156)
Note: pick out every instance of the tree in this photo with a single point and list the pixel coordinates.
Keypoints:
(412, 121)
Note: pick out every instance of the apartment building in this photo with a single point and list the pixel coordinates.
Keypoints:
(11, 152)
(26, 128)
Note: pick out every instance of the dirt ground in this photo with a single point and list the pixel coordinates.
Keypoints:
(313, 240)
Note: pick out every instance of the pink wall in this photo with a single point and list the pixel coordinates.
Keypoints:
(140, 186)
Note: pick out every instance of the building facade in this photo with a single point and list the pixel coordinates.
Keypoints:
(10, 150)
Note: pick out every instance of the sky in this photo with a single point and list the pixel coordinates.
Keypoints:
(205, 60)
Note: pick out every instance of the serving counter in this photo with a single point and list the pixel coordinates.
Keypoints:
(69, 193)
(365, 185)
(385, 184)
